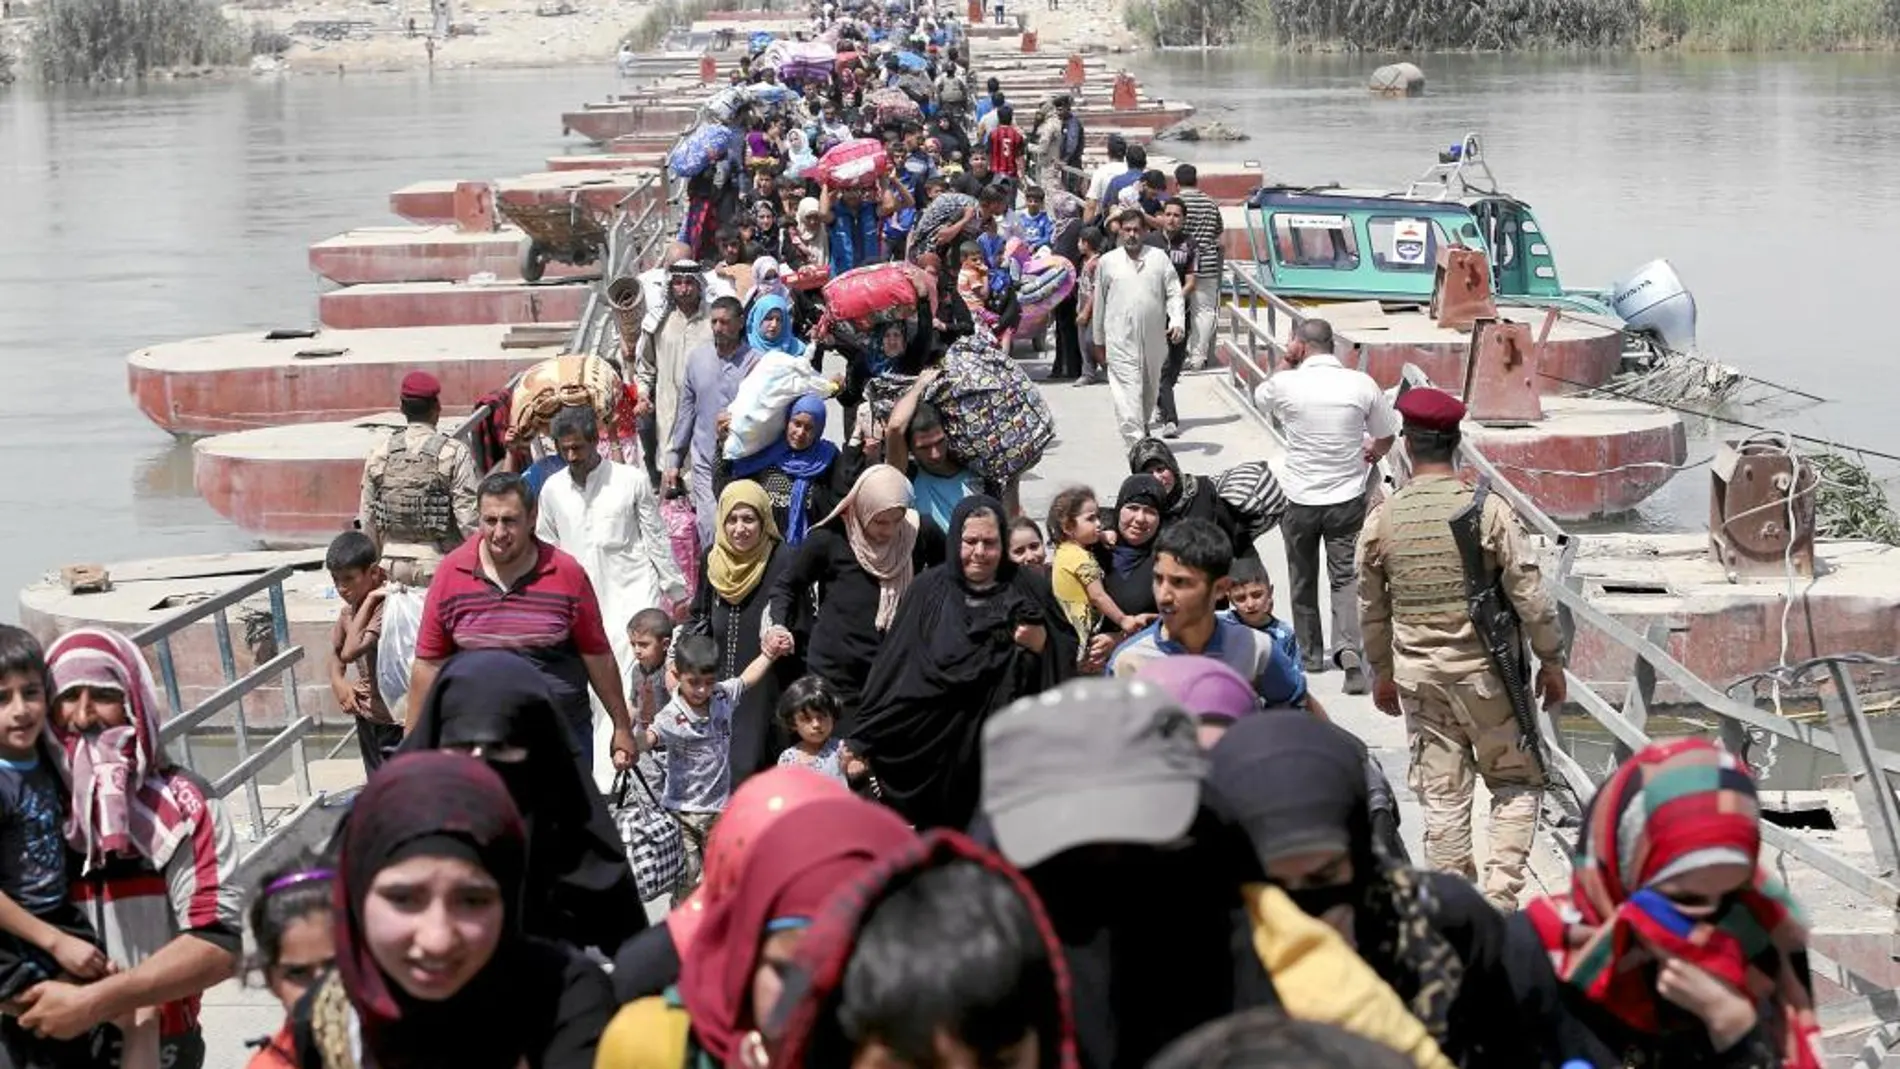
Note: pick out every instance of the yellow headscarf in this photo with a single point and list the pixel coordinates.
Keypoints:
(733, 574)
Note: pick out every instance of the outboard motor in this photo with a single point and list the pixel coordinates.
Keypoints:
(1655, 301)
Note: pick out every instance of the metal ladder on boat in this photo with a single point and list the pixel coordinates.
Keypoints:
(1251, 329)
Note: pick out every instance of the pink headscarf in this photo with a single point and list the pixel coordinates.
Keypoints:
(125, 797)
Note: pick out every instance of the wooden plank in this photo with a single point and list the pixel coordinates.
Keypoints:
(212, 565)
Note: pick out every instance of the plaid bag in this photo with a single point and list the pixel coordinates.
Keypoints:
(651, 836)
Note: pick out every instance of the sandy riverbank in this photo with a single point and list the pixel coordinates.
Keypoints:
(511, 33)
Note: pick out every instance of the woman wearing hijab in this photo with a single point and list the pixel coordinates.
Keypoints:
(1188, 496)
(729, 976)
(861, 558)
(1067, 243)
(940, 954)
(649, 963)
(769, 326)
(493, 704)
(806, 243)
(973, 635)
(1295, 786)
(806, 249)
(1129, 573)
(1673, 948)
(735, 580)
(804, 475)
(432, 965)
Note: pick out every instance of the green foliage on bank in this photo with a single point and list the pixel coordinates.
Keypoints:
(1509, 25)
(1771, 25)
(107, 40)
(653, 27)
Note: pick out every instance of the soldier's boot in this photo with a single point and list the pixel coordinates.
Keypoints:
(1513, 824)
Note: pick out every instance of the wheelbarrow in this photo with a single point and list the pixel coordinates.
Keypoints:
(571, 233)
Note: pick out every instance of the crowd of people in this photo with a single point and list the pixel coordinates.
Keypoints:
(923, 780)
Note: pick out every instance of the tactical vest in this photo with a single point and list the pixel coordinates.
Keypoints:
(413, 502)
(1422, 568)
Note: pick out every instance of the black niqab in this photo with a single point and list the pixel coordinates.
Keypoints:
(580, 888)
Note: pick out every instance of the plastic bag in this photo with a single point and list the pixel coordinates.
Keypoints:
(694, 152)
(396, 646)
(856, 164)
(758, 409)
(682, 535)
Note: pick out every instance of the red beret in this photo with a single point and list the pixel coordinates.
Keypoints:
(421, 386)
(1427, 409)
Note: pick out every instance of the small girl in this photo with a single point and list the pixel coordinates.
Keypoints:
(1076, 522)
(809, 709)
(292, 923)
(1026, 545)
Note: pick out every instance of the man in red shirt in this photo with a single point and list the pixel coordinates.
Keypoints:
(507, 589)
(1007, 145)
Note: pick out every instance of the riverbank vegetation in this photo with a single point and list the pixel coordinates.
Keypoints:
(653, 27)
(110, 40)
(1509, 25)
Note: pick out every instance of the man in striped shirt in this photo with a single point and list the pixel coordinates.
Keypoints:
(1204, 227)
(507, 589)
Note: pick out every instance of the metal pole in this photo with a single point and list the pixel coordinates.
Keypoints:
(280, 629)
(226, 657)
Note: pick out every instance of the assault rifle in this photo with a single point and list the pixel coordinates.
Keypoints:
(1497, 622)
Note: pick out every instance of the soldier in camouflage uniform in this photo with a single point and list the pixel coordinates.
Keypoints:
(418, 499)
(1431, 666)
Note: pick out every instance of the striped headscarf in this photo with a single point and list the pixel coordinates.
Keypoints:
(125, 797)
(1673, 808)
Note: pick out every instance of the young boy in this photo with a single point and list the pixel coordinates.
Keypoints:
(43, 936)
(357, 572)
(1192, 559)
(696, 728)
(1030, 222)
(1250, 593)
(651, 634)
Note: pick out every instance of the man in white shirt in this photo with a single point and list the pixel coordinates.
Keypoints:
(1098, 179)
(1337, 424)
(1139, 312)
(605, 515)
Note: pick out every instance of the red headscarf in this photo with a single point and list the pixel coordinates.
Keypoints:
(753, 809)
(430, 804)
(125, 799)
(1673, 808)
(826, 950)
(794, 866)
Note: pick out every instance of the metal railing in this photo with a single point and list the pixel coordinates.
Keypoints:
(253, 756)
(1872, 771)
(634, 242)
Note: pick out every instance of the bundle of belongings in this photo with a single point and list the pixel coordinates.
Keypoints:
(560, 381)
(995, 419)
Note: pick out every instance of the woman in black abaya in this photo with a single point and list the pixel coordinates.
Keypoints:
(494, 705)
(972, 635)
(1128, 573)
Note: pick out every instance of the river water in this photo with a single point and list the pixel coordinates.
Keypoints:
(134, 215)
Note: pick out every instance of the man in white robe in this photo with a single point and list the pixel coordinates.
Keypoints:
(606, 516)
(1138, 314)
(672, 332)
